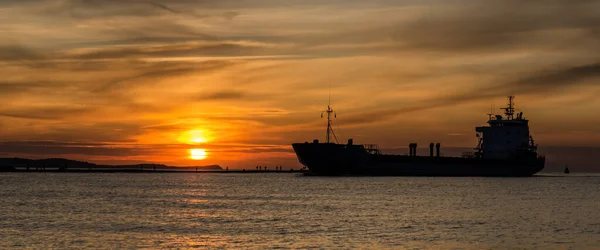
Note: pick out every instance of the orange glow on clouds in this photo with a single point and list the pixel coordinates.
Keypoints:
(195, 136)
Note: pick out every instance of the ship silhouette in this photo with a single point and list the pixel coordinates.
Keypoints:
(505, 148)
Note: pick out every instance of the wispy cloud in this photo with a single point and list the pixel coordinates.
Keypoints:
(43, 112)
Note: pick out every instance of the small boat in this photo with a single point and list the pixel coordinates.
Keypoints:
(567, 169)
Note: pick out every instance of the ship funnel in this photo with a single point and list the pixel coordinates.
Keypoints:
(412, 149)
(431, 149)
(437, 149)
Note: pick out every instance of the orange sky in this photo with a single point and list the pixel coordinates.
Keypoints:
(122, 81)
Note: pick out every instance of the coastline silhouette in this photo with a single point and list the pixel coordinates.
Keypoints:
(67, 165)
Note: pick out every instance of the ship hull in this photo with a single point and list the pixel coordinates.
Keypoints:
(339, 159)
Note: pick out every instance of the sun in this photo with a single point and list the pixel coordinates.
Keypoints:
(198, 154)
(198, 139)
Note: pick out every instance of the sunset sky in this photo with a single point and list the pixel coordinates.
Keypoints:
(117, 81)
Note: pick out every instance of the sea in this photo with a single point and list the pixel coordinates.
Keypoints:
(289, 210)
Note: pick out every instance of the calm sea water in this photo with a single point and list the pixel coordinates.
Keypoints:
(187, 210)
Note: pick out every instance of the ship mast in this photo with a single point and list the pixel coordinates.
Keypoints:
(509, 111)
(329, 111)
(491, 114)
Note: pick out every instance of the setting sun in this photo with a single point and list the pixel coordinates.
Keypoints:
(198, 154)
(198, 140)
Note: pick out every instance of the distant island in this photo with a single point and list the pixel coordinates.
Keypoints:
(61, 164)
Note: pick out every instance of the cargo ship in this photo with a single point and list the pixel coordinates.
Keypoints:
(505, 148)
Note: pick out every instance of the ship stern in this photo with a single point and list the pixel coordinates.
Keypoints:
(330, 158)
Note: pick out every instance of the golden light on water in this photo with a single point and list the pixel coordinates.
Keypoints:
(198, 154)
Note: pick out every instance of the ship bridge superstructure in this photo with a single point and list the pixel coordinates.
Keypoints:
(506, 137)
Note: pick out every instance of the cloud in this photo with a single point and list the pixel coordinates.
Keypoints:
(13, 52)
(568, 76)
(21, 55)
(462, 27)
(10, 88)
(105, 132)
(152, 72)
(175, 49)
(140, 7)
(491, 25)
(543, 81)
(109, 8)
(44, 112)
(164, 7)
(51, 149)
(223, 95)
